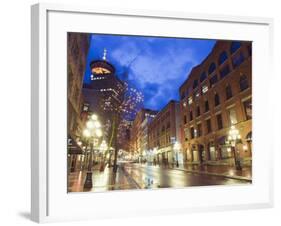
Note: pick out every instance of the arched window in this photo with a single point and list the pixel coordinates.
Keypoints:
(243, 82)
(234, 46)
(222, 57)
(195, 83)
(228, 92)
(212, 68)
(203, 76)
(217, 99)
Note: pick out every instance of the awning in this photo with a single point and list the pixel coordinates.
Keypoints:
(72, 147)
(249, 137)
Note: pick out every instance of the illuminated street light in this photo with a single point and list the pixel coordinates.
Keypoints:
(91, 133)
(94, 117)
(233, 137)
(177, 148)
(86, 133)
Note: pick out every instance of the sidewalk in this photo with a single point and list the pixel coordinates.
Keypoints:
(102, 180)
(217, 170)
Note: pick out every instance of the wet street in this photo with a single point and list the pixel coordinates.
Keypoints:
(142, 176)
(159, 177)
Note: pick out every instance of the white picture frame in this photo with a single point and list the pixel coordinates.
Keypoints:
(50, 201)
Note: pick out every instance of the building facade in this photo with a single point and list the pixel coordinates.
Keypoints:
(78, 45)
(104, 96)
(217, 95)
(164, 133)
(139, 130)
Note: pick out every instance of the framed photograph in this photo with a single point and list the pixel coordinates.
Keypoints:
(145, 113)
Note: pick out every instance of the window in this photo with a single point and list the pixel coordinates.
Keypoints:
(204, 89)
(190, 116)
(235, 46)
(184, 119)
(190, 100)
(199, 130)
(228, 92)
(186, 133)
(182, 95)
(203, 76)
(243, 82)
(212, 68)
(232, 116)
(195, 84)
(217, 99)
(192, 134)
(198, 111)
(213, 80)
(224, 71)
(219, 121)
(248, 108)
(168, 125)
(222, 57)
(207, 106)
(237, 60)
(249, 50)
(209, 126)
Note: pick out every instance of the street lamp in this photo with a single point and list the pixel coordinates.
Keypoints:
(233, 137)
(177, 147)
(103, 149)
(92, 133)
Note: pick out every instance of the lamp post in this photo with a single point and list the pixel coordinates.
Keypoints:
(92, 133)
(177, 147)
(103, 149)
(233, 137)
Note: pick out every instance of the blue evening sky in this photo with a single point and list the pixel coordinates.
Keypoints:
(155, 66)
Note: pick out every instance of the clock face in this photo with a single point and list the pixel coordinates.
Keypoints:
(100, 70)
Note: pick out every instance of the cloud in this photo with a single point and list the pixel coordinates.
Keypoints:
(156, 66)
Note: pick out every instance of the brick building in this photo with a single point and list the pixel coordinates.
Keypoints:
(78, 45)
(216, 95)
(164, 132)
(139, 131)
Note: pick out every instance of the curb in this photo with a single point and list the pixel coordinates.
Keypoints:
(216, 174)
